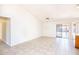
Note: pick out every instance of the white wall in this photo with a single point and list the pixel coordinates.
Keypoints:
(24, 26)
(49, 29)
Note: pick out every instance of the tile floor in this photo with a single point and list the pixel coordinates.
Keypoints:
(41, 46)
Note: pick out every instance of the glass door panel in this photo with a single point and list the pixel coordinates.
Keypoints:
(62, 31)
(59, 30)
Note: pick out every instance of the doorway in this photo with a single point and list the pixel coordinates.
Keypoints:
(3, 28)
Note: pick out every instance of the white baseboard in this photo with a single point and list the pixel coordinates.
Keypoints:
(19, 42)
(6, 43)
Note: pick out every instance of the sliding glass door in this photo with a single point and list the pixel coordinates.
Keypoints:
(65, 31)
(73, 31)
(62, 31)
(59, 30)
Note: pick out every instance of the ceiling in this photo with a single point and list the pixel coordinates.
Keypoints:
(53, 11)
